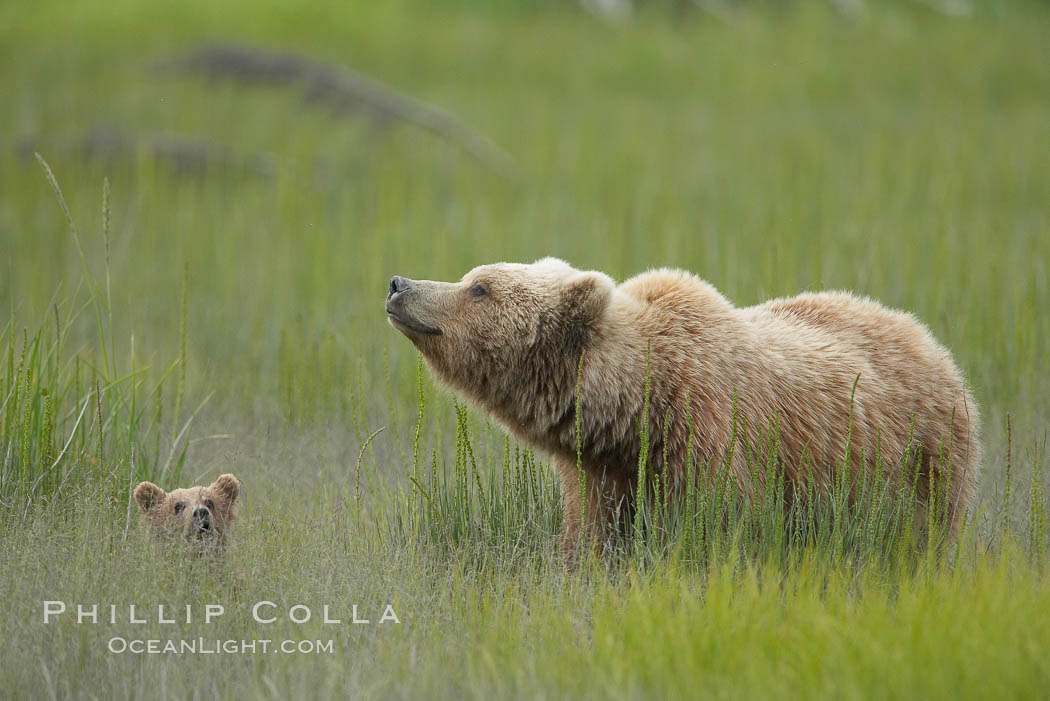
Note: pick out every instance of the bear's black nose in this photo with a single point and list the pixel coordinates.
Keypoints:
(202, 518)
(398, 285)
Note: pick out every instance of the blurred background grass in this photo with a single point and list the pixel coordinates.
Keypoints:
(791, 149)
(899, 151)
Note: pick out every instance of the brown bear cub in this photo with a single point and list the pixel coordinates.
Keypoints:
(201, 516)
(836, 374)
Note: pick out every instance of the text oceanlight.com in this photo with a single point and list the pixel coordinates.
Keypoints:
(203, 646)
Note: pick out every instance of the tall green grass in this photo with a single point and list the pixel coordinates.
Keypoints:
(77, 419)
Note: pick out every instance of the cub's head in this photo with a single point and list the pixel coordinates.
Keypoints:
(201, 516)
(490, 333)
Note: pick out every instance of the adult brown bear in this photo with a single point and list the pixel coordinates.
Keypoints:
(831, 369)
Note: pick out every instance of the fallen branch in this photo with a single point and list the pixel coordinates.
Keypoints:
(343, 90)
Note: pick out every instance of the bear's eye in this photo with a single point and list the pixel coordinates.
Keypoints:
(210, 504)
(478, 290)
(179, 507)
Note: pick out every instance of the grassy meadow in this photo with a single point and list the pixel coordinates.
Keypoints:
(192, 280)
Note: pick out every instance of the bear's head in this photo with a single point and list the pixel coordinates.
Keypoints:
(201, 516)
(503, 327)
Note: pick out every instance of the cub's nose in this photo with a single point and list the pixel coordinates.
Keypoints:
(398, 285)
(202, 518)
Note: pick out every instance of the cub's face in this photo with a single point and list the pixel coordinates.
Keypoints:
(201, 516)
(483, 333)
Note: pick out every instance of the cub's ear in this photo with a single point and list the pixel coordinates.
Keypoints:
(228, 486)
(587, 294)
(148, 495)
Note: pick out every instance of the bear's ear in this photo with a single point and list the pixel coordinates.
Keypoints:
(587, 294)
(228, 486)
(148, 495)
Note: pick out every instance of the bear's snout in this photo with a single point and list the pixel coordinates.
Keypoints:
(398, 285)
(202, 519)
(403, 310)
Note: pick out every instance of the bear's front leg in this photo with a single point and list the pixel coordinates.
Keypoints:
(572, 517)
(600, 515)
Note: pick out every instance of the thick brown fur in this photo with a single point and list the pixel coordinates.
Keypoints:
(201, 516)
(509, 337)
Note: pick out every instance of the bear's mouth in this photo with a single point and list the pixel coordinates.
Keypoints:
(202, 537)
(401, 322)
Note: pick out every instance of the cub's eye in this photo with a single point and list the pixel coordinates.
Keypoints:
(179, 507)
(210, 504)
(478, 290)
